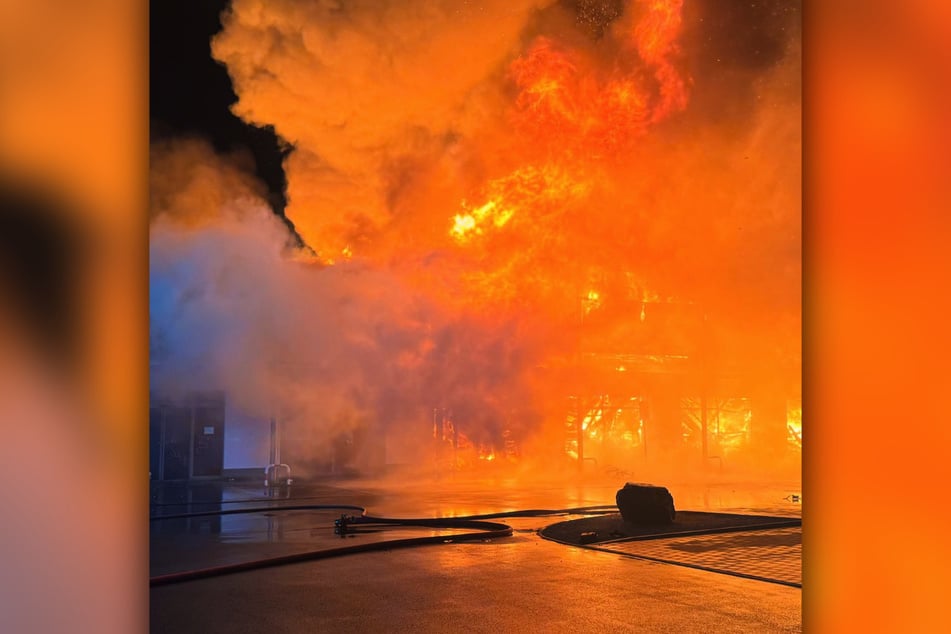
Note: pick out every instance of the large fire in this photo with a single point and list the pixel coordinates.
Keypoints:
(607, 272)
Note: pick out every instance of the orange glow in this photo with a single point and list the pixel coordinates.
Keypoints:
(566, 104)
(488, 456)
(794, 425)
(656, 40)
(573, 114)
(469, 224)
(591, 301)
(528, 190)
(568, 108)
(518, 206)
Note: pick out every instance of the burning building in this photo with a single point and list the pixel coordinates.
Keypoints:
(549, 230)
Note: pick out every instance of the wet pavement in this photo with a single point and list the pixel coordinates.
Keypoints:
(519, 583)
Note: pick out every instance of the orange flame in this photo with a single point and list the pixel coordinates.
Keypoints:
(571, 111)
(656, 40)
(585, 112)
(538, 208)
(531, 191)
(571, 114)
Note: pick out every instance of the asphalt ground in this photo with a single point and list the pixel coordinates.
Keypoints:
(522, 583)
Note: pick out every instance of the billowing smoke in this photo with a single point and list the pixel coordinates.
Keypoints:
(358, 87)
(493, 190)
(326, 350)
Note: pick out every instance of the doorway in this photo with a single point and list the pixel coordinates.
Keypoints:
(186, 437)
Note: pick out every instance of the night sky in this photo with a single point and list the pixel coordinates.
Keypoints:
(190, 93)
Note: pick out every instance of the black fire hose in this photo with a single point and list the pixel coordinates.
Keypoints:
(486, 530)
(261, 509)
(580, 510)
(483, 530)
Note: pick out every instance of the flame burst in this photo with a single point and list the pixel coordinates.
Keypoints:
(533, 193)
(572, 114)
(527, 199)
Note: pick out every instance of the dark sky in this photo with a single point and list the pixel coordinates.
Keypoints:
(190, 93)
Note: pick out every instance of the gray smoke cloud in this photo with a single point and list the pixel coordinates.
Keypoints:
(355, 85)
(326, 350)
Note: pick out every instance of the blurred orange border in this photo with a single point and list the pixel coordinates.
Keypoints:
(876, 226)
(74, 121)
(876, 352)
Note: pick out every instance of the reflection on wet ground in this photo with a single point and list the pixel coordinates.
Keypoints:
(182, 543)
(521, 583)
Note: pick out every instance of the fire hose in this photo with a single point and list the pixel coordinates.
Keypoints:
(480, 528)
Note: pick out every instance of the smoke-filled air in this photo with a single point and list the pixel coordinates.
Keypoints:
(531, 236)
